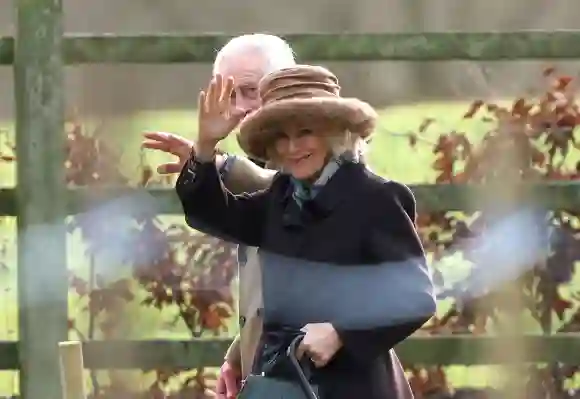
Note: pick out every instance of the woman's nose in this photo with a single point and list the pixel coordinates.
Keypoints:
(292, 145)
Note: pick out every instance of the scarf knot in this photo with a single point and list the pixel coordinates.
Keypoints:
(302, 191)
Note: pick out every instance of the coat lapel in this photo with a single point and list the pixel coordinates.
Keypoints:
(324, 203)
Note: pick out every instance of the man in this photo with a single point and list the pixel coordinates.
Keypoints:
(246, 59)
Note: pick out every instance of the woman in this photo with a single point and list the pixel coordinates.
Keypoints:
(317, 139)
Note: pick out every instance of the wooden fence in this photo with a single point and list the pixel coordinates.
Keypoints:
(39, 53)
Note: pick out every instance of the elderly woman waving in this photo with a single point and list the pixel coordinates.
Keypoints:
(324, 207)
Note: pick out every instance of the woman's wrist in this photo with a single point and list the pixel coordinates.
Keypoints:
(205, 151)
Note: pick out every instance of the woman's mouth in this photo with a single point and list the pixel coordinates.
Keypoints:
(299, 159)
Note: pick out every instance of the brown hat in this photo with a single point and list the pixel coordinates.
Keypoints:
(302, 91)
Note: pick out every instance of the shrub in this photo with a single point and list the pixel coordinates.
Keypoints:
(181, 271)
(530, 141)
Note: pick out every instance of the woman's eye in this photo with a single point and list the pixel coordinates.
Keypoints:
(278, 138)
(280, 135)
(304, 132)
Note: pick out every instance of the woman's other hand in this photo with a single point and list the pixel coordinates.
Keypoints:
(181, 147)
(217, 115)
(171, 144)
(229, 382)
(320, 343)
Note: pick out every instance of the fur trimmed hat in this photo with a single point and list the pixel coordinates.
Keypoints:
(301, 92)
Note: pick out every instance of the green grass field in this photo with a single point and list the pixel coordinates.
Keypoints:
(390, 155)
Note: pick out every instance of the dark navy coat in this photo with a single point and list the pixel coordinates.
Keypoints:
(358, 218)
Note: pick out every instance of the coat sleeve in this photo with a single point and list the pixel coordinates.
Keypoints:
(212, 209)
(393, 242)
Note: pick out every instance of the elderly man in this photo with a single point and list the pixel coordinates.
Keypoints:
(247, 59)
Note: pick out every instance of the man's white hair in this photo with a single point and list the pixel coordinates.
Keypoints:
(276, 51)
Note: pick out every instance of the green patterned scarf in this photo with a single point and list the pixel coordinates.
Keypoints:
(304, 191)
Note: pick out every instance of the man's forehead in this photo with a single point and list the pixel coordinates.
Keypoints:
(245, 68)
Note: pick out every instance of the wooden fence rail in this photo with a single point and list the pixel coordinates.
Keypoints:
(430, 197)
(39, 54)
(441, 350)
(488, 46)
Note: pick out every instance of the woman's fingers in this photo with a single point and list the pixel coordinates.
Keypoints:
(301, 350)
(163, 137)
(315, 358)
(167, 142)
(156, 145)
(216, 87)
(155, 135)
(169, 168)
(202, 103)
(318, 363)
(226, 95)
(218, 95)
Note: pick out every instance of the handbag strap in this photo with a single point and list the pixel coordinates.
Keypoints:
(304, 383)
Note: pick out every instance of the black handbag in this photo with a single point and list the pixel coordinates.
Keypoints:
(268, 387)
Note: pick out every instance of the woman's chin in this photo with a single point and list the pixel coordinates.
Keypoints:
(302, 174)
(306, 169)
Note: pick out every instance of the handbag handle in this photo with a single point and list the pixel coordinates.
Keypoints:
(304, 383)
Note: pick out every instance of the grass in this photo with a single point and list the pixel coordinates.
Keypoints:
(390, 156)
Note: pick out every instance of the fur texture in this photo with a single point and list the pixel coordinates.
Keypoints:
(302, 92)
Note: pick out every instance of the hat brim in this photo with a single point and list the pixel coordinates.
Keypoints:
(257, 130)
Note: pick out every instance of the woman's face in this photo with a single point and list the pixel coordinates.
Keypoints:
(302, 149)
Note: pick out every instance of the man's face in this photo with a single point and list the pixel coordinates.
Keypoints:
(247, 69)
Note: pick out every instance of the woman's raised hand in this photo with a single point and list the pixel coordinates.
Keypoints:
(217, 115)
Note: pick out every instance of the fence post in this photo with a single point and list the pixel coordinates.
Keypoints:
(41, 199)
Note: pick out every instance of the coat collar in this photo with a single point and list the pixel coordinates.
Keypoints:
(325, 202)
(304, 192)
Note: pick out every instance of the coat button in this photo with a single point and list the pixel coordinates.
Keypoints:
(242, 321)
(260, 312)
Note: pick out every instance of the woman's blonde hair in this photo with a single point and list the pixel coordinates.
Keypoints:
(350, 145)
